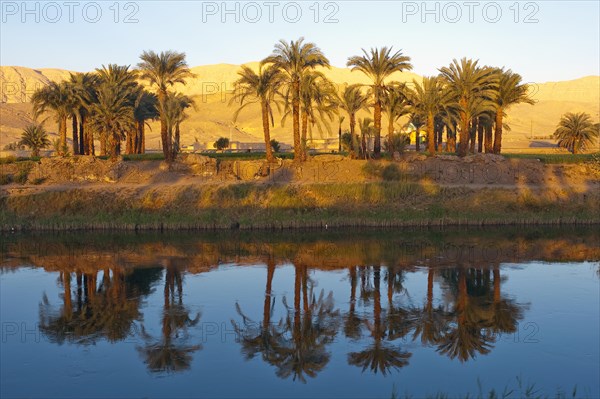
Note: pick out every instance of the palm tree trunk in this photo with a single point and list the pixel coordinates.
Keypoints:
(472, 135)
(463, 146)
(488, 139)
(296, 121)
(102, 145)
(377, 128)
(352, 130)
(165, 137)
(340, 138)
(498, 132)
(430, 134)
(176, 141)
(129, 143)
(62, 127)
(417, 141)
(267, 132)
(142, 133)
(75, 135)
(364, 145)
(480, 128)
(82, 139)
(451, 138)
(304, 130)
(439, 130)
(390, 137)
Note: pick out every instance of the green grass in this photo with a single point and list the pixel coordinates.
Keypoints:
(556, 158)
(151, 156)
(12, 159)
(376, 204)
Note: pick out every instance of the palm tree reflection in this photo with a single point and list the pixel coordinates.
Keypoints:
(171, 352)
(297, 345)
(106, 310)
(380, 356)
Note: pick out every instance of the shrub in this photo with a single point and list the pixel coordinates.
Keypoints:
(391, 173)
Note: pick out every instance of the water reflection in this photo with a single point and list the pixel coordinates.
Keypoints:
(172, 351)
(104, 282)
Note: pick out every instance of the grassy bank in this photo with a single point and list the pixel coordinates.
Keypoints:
(259, 206)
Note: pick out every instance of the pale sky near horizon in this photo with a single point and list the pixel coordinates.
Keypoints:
(542, 40)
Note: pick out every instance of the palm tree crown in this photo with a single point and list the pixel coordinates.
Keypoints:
(378, 65)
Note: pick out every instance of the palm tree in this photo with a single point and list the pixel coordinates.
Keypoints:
(35, 137)
(510, 91)
(174, 112)
(576, 132)
(262, 87)
(428, 100)
(55, 97)
(83, 86)
(352, 101)
(475, 88)
(318, 102)
(378, 66)
(163, 71)
(294, 60)
(112, 113)
(394, 105)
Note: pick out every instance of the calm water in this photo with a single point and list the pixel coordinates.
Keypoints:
(352, 314)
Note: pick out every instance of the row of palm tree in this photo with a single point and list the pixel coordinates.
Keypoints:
(464, 98)
(112, 105)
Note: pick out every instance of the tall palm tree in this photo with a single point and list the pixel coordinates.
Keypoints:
(163, 71)
(318, 103)
(55, 97)
(112, 113)
(395, 105)
(510, 91)
(576, 132)
(352, 101)
(475, 88)
(429, 99)
(263, 88)
(83, 86)
(295, 59)
(378, 65)
(35, 137)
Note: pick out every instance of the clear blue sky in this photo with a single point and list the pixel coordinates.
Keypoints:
(561, 40)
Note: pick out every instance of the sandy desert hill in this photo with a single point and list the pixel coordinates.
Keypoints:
(212, 118)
